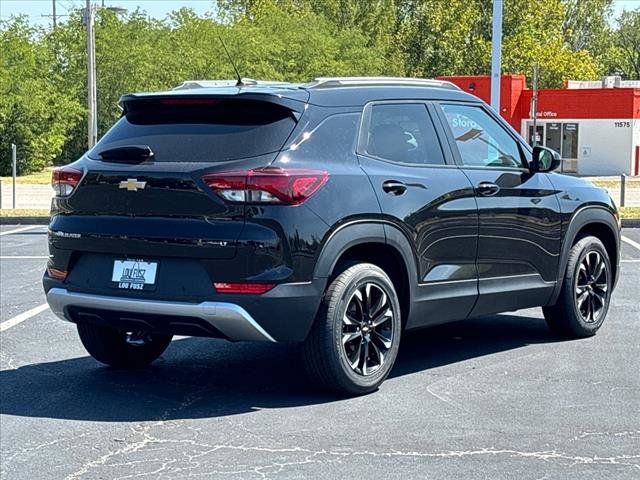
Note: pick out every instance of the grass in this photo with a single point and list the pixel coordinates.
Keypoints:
(37, 178)
(630, 212)
(630, 183)
(24, 212)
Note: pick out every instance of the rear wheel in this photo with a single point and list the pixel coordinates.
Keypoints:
(355, 338)
(122, 349)
(586, 290)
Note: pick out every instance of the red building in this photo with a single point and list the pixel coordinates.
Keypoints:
(596, 130)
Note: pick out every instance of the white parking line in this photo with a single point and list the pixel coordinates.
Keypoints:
(21, 229)
(629, 261)
(630, 242)
(22, 257)
(12, 322)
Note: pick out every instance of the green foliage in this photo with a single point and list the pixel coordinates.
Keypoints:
(443, 38)
(586, 25)
(454, 38)
(34, 113)
(43, 72)
(625, 52)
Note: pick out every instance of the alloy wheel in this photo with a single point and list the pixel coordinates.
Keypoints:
(367, 329)
(592, 287)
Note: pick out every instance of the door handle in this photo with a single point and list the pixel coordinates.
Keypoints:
(488, 189)
(394, 187)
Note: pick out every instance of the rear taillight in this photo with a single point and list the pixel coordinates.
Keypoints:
(64, 180)
(254, 288)
(267, 185)
(57, 274)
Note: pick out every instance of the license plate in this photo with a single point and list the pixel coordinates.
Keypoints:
(134, 274)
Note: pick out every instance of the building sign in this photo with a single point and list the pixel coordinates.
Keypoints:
(547, 114)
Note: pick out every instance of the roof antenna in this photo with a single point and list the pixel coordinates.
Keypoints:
(239, 83)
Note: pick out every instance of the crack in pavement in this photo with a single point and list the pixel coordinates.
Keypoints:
(631, 433)
(138, 429)
(327, 456)
(21, 452)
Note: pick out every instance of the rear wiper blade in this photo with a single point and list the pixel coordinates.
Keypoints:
(126, 153)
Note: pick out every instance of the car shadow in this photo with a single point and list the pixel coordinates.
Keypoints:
(199, 378)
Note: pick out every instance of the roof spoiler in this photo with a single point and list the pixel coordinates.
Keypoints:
(193, 98)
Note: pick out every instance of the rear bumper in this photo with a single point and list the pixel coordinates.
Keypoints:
(284, 314)
(233, 321)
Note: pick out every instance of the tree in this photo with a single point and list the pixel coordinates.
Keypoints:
(442, 38)
(43, 73)
(34, 113)
(626, 50)
(454, 38)
(533, 33)
(586, 25)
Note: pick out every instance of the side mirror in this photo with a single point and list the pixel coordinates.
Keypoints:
(544, 159)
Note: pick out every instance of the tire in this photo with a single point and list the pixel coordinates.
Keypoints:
(344, 367)
(111, 347)
(571, 317)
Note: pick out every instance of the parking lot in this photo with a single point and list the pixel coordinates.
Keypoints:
(493, 398)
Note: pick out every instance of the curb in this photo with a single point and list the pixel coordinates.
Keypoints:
(631, 222)
(24, 220)
(626, 222)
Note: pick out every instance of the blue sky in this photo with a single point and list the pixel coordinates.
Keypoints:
(158, 8)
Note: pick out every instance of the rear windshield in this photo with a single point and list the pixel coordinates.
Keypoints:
(200, 130)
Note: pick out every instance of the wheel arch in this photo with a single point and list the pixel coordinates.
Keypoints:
(377, 242)
(596, 221)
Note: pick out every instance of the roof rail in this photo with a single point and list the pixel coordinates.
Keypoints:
(328, 82)
(190, 84)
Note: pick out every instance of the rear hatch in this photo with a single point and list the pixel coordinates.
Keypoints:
(142, 189)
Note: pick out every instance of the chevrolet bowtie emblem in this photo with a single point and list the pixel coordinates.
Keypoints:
(132, 184)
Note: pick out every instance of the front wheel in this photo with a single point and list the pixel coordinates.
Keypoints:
(122, 349)
(586, 291)
(354, 341)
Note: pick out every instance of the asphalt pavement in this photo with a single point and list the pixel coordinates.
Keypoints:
(492, 398)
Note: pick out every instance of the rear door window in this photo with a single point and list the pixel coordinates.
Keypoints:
(403, 133)
(201, 130)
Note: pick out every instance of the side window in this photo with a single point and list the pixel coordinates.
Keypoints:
(330, 141)
(403, 133)
(481, 141)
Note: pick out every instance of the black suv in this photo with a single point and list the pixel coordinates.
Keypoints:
(338, 213)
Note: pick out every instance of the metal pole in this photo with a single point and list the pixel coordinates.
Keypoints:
(55, 21)
(92, 120)
(534, 105)
(623, 187)
(13, 171)
(496, 52)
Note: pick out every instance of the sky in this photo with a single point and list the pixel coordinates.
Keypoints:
(35, 9)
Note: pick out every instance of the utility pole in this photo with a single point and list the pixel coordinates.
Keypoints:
(92, 129)
(55, 20)
(14, 170)
(496, 53)
(534, 106)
